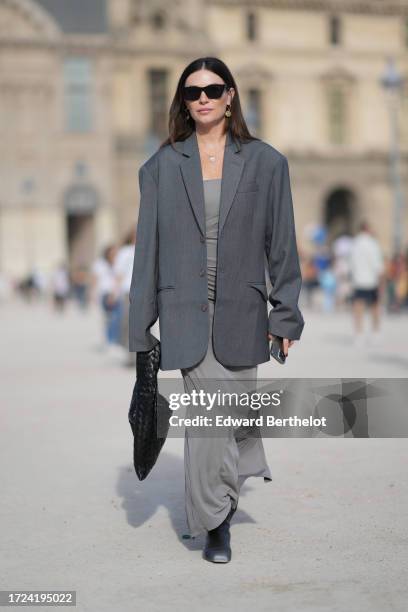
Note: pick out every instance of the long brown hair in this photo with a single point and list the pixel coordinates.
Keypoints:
(180, 126)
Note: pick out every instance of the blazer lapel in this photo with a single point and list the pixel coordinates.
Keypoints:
(190, 167)
(233, 166)
(193, 179)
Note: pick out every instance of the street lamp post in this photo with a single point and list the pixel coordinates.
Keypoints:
(392, 82)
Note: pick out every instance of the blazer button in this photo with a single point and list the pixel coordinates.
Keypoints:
(202, 239)
(204, 307)
(202, 272)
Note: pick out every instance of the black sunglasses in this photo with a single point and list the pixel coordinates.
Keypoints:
(213, 91)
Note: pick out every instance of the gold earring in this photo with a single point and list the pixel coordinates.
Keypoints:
(228, 111)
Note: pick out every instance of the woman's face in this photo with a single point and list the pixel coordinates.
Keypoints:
(216, 107)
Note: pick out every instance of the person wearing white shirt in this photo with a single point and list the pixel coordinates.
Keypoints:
(123, 269)
(366, 273)
(61, 286)
(106, 290)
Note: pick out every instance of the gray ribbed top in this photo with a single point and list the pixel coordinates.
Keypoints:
(212, 193)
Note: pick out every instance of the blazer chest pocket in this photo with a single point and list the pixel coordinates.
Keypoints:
(248, 187)
(165, 288)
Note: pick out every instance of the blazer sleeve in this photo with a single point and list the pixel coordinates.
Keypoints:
(285, 318)
(143, 311)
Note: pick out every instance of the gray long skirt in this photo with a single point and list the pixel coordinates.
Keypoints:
(216, 466)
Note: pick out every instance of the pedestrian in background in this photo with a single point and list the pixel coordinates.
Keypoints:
(310, 279)
(123, 268)
(341, 267)
(60, 287)
(367, 272)
(80, 280)
(328, 284)
(107, 295)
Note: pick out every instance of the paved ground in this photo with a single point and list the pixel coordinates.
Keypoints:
(329, 533)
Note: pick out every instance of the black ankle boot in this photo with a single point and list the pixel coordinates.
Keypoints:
(217, 547)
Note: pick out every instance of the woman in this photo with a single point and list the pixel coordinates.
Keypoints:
(214, 202)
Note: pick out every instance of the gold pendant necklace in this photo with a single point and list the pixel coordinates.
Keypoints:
(212, 158)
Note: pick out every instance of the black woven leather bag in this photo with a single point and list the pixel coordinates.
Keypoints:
(145, 408)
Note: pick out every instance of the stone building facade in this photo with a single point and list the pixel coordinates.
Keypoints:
(85, 88)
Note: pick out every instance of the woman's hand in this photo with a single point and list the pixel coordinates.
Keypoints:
(286, 343)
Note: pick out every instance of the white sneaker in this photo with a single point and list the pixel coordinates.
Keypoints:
(375, 338)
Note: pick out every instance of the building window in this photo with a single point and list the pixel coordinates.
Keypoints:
(335, 30)
(158, 103)
(77, 94)
(253, 114)
(251, 26)
(158, 21)
(337, 114)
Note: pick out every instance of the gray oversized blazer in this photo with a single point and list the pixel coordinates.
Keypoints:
(169, 279)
